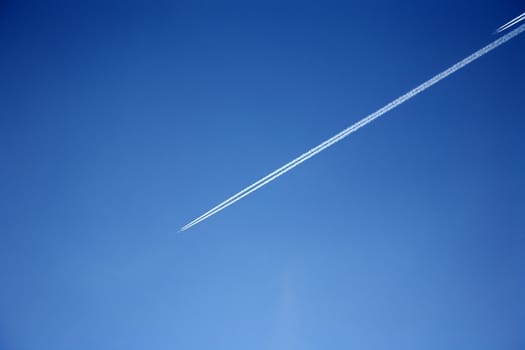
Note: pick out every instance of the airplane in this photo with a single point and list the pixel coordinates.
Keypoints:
(511, 23)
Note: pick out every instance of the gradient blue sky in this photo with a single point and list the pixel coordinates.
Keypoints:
(120, 121)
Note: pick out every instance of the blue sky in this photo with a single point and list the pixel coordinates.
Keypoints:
(122, 121)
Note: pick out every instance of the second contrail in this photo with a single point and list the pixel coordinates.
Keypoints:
(371, 117)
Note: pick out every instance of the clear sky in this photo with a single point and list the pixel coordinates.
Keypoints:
(120, 121)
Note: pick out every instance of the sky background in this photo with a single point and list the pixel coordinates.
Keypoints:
(121, 121)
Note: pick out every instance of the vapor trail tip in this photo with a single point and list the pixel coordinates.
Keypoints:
(511, 23)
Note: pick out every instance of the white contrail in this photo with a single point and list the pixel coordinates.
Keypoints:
(338, 137)
(512, 22)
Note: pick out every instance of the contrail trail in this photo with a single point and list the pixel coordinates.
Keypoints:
(371, 117)
(511, 22)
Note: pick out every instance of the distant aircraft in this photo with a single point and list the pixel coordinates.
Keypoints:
(511, 22)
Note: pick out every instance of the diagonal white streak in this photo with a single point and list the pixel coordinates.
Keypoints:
(338, 137)
(512, 22)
